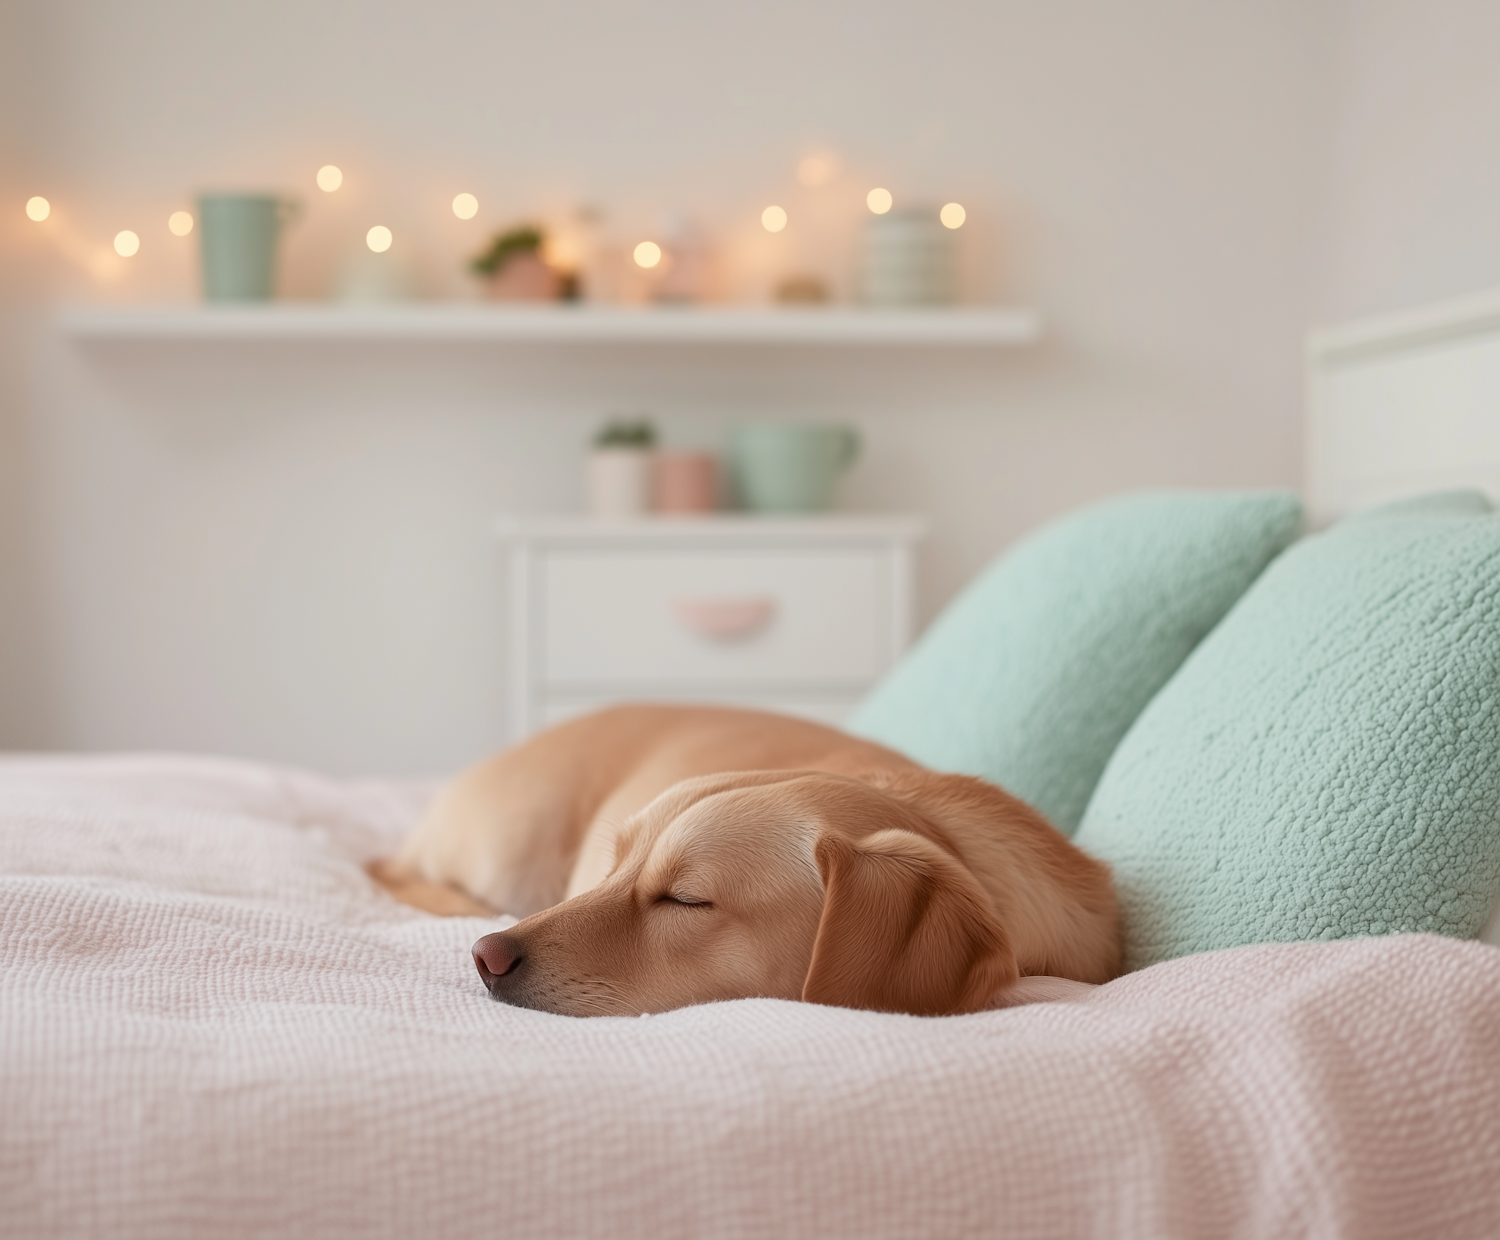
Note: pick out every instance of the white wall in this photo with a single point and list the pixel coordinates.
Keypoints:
(280, 552)
(1411, 195)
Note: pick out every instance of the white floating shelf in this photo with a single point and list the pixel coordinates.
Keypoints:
(731, 527)
(973, 327)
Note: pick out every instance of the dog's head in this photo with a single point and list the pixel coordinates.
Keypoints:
(786, 885)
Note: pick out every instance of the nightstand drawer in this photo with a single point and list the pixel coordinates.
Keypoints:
(721, 616)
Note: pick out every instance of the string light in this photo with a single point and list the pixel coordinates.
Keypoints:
(38, 208)
(953, 215)
(773, 219)
(466, 206)
(180, 223)
(330, 177)
(379, 238)
(126, 244)
(879, 201)
(647, 254)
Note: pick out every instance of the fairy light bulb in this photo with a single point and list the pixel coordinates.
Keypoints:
(127, 243)
(879, 201)
(466, 206)
(379, 238)
(180, 223)
(953, 215)
(773, 219)
(38, 208)
(647, 254)
(330, 177)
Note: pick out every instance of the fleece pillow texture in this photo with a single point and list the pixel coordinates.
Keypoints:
(1327, 762)
(1034, 673)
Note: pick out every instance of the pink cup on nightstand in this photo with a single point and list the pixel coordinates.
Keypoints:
(686, 482)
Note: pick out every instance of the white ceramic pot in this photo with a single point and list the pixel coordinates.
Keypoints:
(910, 259)
(366, 277)
(619, 482)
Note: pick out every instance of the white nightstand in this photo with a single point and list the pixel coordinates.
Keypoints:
(798, 615)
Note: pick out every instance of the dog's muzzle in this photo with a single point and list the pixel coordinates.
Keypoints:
(498, 958)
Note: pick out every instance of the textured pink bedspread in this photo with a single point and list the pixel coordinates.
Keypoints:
(211, 1025)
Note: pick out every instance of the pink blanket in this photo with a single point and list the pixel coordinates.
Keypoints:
(211, 1025)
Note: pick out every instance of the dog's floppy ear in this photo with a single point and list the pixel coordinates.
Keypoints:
(906, 928)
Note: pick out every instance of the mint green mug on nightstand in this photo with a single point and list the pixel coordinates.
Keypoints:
(238, 235)
(790, 466)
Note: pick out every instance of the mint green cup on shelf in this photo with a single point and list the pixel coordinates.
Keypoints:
(238, 235)
(790, 466)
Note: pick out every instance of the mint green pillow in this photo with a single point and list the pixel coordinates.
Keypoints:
(1036, 670)
(1327, 762)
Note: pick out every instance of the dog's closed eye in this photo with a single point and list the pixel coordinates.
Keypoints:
(684, 901)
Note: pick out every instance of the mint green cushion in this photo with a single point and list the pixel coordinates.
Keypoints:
(1327, 762)
(1035, 671)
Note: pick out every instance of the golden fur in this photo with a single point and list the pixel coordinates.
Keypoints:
(661, 856)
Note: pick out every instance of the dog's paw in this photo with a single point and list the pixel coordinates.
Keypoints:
(1040, 990)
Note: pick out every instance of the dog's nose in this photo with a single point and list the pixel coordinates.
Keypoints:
(495, 955)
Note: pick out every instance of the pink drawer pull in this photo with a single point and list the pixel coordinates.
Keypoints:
(725, 619)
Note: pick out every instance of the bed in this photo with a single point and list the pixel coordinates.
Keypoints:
(1404, 403)
(212, 1024)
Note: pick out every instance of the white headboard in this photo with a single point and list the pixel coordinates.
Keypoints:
(1403, 404)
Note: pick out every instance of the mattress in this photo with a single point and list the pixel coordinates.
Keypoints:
(212, 1024)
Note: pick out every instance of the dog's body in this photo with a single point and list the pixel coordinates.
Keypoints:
(662, 855)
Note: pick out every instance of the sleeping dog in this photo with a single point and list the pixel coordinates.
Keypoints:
(661, 856)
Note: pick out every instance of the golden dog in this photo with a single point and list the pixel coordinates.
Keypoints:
(661, 856)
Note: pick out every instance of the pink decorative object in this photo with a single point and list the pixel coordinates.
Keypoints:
(685, 276)
(525, 277)
(686, 482)
(725, 619)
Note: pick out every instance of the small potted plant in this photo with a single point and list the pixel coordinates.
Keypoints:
(515, 269)
(619, 468)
